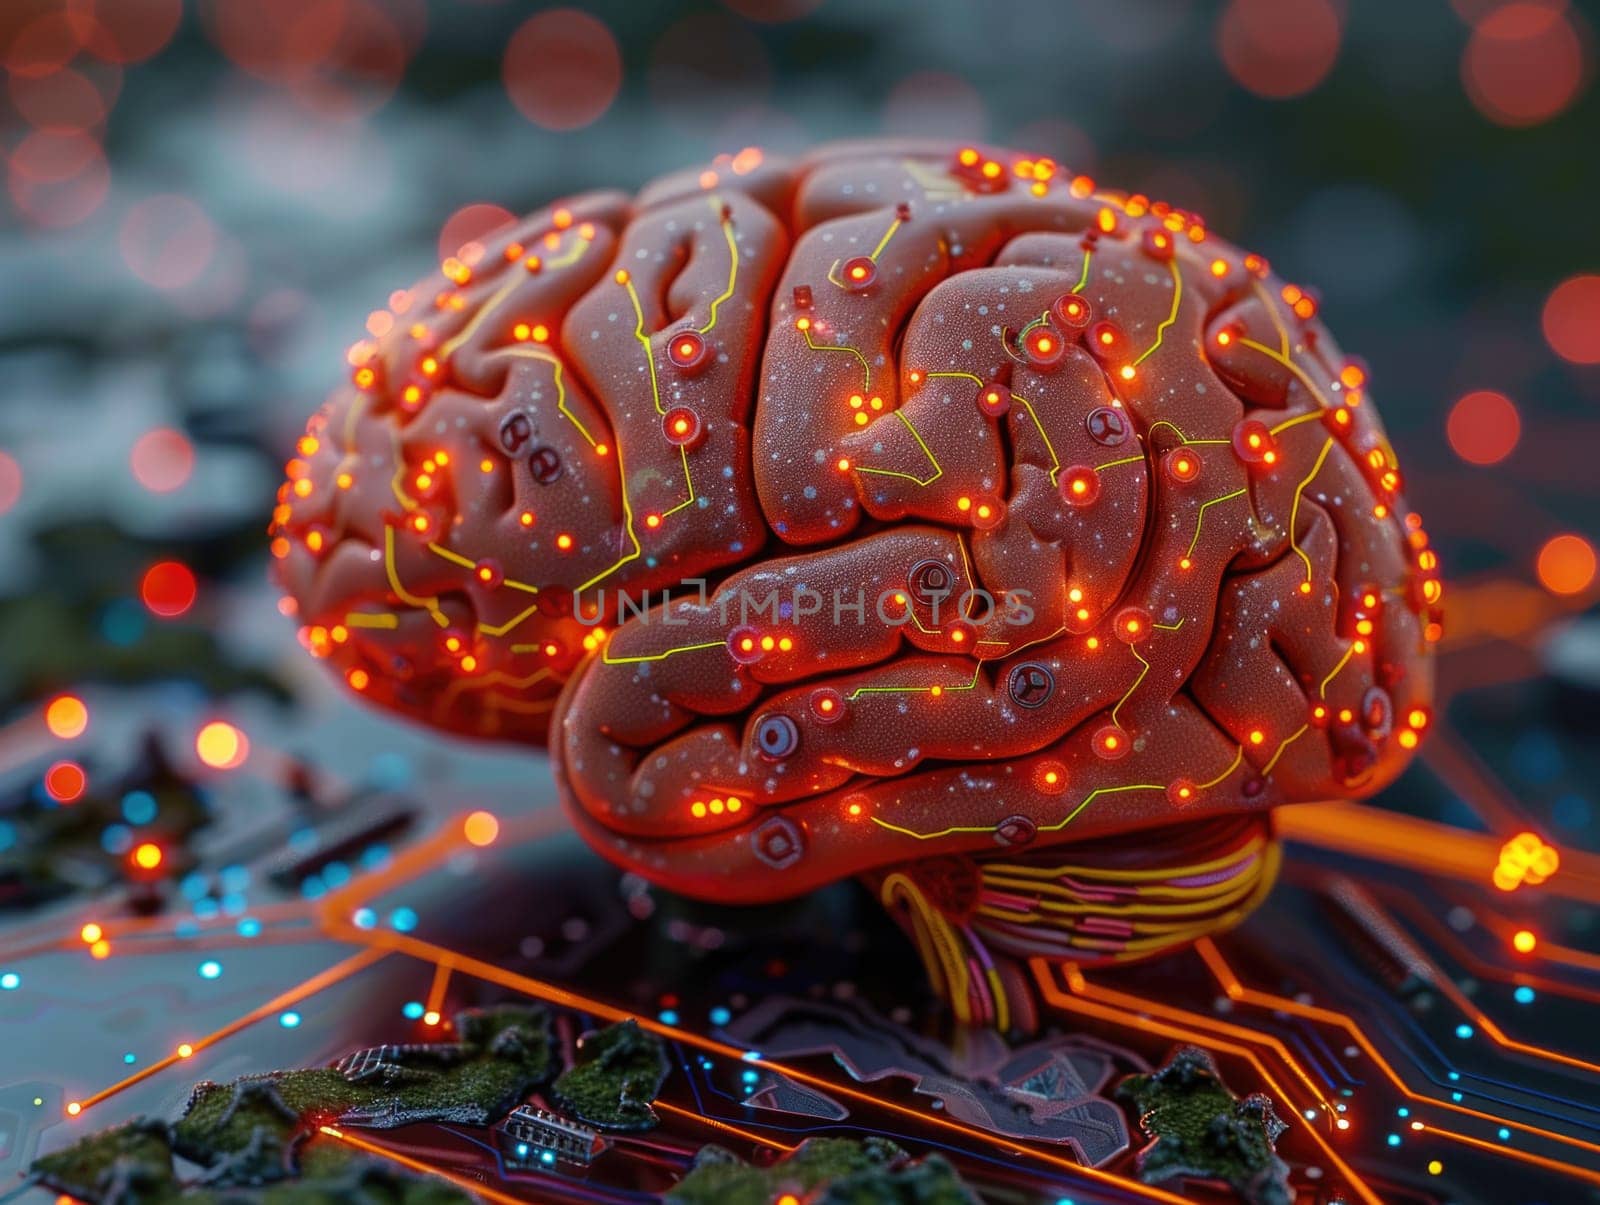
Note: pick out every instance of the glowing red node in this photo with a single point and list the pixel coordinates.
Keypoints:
(168, 589)
(1080, 485)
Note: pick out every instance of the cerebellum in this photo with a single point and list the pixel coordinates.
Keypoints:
(906, 512)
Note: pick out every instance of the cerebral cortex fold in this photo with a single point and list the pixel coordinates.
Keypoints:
(854, 514)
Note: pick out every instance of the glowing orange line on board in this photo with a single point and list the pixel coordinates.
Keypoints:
(1123, 1010)
(475, 1187)
(1236, 990)
(716, 1124)
(551, 994)
(1424, 845)
(334, 974)
(1555, 1165)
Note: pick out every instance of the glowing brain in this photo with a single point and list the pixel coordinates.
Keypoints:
(1049, 540)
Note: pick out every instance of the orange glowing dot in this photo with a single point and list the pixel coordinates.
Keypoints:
(147, 855)
(468, 663)
(480, 828)
(521, 332)
(1566, 564)
(785, 644)
(787, 1198)
(1346, 715)
(826, 705)
(717, 807)
(1106, 220)
(358, 679)
(1523, 941)
(957, 636)
(652, 521)
(1408, 739)
(303, 488)
(697, 809)
(1185, 563)
(100, 950)
(1257, 736)
(74, 1109)
(1126, 372)
(936, 691)
(967, 157)
(1093, 642)
(66, 717)
(1360, 646)
(963, 503)
(802, 323)
(747, 645)
(854, 809)
(1219, 267)
(168, 588)
(431, 1017)
(65, 781)
(221, 746)
(1225, 337)
(1417, 718)
(844, 465)
(622, 277)
(1305, 587)
(768, 644)
(344, 481)
(601, 449)
(91, 933)
(564, 541)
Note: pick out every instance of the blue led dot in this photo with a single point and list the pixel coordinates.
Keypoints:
(139, 807)
(289, 1020)
(249, 926)
(413, 1010)
(1523, 995)
(206, 909)
(1505, 1134)
(1403, 1112)
(720, 1016)
(116, 839)
(130, 1058)
(750, 1077)
(403, 920)
(210, 969)
(1394, 1140)
(10, 981)
(1064, 1201)
(1463, 1031)
(667, 1017)
(365, 918)
(522, 1150)
(547, 1157)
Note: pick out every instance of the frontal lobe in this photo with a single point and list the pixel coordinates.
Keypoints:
(557, 421)
(1094, 536)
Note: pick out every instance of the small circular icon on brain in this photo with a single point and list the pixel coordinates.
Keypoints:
(924, 514)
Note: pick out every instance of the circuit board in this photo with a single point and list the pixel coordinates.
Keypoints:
(1412, 998)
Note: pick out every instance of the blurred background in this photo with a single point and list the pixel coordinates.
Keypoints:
(207, 201)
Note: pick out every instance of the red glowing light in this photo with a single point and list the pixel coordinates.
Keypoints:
(1279, 48)
(58, 178)
(562, 69)
(162, 460)
(472, 224)
(65, 782)
(1571, 322)
(168, 589)
(1524, 63)
(66, 717)
(1483, 427)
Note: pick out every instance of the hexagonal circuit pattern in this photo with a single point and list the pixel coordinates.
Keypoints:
(900, 510)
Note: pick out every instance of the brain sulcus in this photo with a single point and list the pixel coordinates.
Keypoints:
(920, 513)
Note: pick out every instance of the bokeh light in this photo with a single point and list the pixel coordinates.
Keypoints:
(1524, 63)
(221, 746)
(1571, 320)
(472, 224)
(126, 31)
(562, 69)
(480, 828)
(65, 782)
(67, 101)
(66, 717)
(161, 460)
(1566, 564)
(167, 241)
(10, 481)
(1483, 427)
(1279, 48)
(147, 855)
(58, 178)
(168, 589)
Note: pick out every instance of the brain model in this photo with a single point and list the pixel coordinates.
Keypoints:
(924, 514)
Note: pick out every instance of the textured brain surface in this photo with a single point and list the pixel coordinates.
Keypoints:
(922, 513)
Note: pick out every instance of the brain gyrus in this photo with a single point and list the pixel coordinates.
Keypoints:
(927, 514)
